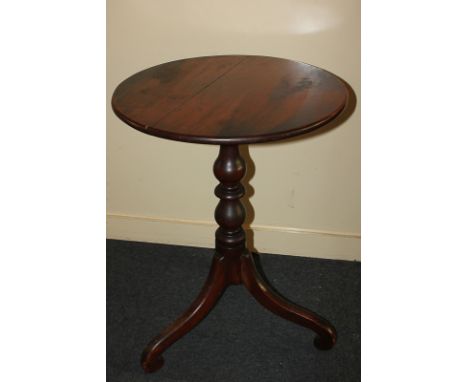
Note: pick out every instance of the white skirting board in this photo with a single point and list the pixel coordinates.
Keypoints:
(266, 239)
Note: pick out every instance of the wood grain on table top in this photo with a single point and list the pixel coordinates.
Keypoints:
(229, 99)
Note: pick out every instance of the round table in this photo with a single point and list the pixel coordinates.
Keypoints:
(228, 101)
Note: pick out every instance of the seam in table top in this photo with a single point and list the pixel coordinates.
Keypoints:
(153, 125)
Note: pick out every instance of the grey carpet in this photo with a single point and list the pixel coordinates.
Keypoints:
(149, 285)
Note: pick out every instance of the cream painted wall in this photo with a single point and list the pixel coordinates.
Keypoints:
(307, 190)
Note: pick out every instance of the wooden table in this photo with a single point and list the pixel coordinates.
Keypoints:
(228, 101)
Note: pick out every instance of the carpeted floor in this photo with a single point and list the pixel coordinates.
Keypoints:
(149, 285)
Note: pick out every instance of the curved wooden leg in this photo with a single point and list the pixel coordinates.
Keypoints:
(151, 359)
(277, 304)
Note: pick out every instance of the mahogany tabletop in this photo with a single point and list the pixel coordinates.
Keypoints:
(233, 99)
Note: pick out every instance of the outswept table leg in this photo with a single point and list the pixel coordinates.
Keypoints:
(277, 304)
(151, 359)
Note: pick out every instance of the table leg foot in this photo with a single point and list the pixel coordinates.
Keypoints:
(153, 364)
(277, 304)
(325, 342)
(151, 359)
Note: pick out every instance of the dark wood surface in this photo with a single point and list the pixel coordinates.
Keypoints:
(229, 99)
(233, 264)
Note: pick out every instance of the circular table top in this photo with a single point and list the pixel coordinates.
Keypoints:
(229, 99)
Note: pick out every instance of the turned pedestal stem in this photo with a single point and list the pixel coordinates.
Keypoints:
(229, 169)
